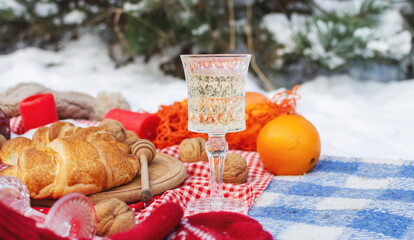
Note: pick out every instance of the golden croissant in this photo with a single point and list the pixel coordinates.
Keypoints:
(63, 159)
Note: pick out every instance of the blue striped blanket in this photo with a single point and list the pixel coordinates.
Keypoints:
(341, 198)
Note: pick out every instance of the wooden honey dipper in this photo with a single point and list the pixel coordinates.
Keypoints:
(145, 151)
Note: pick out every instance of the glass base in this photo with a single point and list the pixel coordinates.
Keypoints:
(72, 216)
(215, 205)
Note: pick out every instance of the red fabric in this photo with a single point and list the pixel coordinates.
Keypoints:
(160, 224)
(16, 226)
(157, 226)
(220, 226)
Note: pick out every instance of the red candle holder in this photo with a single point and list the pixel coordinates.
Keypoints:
(4, 125)
(143, 124)
(38, 110)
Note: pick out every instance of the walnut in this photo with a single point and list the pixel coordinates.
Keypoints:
(131, 137)
(115, 128)
(235, 169)
(2, 140)
(113, 216)
(193, 150)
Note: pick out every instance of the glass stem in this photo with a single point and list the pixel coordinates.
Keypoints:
(216, 148)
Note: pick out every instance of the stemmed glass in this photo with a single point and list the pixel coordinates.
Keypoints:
(71, 216)
(216, 85)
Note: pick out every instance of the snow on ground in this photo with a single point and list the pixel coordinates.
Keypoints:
(85, 66)
(354, 118)
(364, 119)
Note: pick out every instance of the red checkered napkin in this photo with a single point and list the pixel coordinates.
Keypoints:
(197, 183)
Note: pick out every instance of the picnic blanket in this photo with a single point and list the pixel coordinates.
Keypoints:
(341, 198)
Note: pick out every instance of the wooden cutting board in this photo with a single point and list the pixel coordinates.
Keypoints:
(165, 173)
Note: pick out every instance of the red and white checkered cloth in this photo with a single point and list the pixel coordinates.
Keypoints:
(197, 183)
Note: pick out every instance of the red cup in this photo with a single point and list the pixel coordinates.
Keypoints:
(4, 125)
(143, 124)
(38, 110)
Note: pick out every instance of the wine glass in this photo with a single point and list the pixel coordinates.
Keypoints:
(71, 216)
(216, 86)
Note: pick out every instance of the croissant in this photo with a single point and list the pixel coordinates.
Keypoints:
(63, 159)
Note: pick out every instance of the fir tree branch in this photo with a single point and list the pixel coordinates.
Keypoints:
(232, 44)
(319, 7)
(151, 26)
(121, 37)
(250, 45)
(99, 17)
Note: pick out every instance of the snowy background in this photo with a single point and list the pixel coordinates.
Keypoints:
(359, 118)
(354, 118)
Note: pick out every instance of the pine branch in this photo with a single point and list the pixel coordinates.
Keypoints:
(121, 37)
(315, 5)
(151, 26)
(250, 45)
(232, 44)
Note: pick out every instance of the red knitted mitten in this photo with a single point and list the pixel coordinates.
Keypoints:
(220, 225)
(156, 226)
(13, 225)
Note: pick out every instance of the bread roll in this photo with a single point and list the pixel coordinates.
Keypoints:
(63, 159)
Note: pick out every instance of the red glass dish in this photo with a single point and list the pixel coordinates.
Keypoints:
(4, 125)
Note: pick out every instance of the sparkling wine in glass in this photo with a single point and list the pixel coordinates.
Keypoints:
(216, 86)
(71, 216)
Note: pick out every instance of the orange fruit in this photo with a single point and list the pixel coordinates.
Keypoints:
(289, 145)
(253, 98)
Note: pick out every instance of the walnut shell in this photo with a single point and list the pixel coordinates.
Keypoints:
(113, 216)
(131, 137)
(2, 140)
(193, 150)
(235, 169)
(115, 128)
